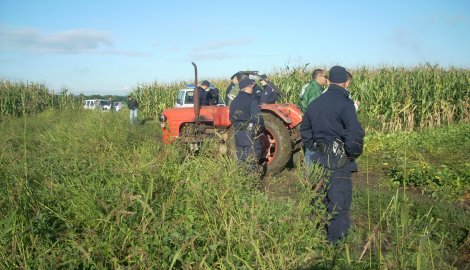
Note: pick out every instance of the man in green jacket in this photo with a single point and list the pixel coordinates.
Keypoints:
(313, 89)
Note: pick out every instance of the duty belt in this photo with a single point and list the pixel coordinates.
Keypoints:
(323, 148)
(336, 148)
(245, 127)
(241, 127)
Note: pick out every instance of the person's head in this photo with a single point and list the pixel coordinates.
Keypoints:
(205, 84)
(235, 78)
(319, 75)
(349, 80)
(339, 75)
(263, 80)
(246, 85)
(129, 97)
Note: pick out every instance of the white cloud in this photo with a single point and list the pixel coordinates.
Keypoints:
(75, 41)
(127, 53)
(450, 19)
(218, 50)
(36, 41)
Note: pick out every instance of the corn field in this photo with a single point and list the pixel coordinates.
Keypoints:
(391, 98)
(155, 97)
(19, 98)
(403, 99)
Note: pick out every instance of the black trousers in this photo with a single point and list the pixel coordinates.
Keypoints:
(249, 154)
(338, 203)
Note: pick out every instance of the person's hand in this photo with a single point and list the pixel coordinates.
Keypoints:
(356, 104)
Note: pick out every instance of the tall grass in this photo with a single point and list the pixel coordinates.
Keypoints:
(100, 193)
(89, 190)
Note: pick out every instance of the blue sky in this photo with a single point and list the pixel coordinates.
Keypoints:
(109, 47)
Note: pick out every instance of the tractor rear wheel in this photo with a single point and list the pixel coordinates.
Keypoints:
(276, 147)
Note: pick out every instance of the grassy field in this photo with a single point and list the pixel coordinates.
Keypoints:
(86, 190)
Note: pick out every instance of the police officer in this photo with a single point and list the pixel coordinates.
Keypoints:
(212, 96)
(248, 122)
(266, 94)
(202, 92)
(233, 89)
(331, 129)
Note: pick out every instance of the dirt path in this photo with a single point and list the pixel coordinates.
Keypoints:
(286, 183)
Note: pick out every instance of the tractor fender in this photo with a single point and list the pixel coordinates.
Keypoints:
(289, 114)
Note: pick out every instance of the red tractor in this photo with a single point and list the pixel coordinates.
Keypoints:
(194, 124)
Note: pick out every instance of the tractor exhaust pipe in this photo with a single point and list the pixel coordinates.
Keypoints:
(197, 107)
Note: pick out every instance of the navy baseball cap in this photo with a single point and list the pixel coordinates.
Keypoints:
(206, 83)
(338, 74)
(235, 75)
(245, 83)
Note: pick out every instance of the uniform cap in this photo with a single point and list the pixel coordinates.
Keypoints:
(338, 74)
(234, 75)
(245, 82)
(206, 83)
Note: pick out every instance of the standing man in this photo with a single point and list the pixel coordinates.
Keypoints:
(356, 102)
(202, 93)
(110, 102)
(97, 104)
(233, 89)
(313, 89)
(310, 92)
(267, 94)
(331, 129)
(248, 122)
(133, 105)
(212, 96)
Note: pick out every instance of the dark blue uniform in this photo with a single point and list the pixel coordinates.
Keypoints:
(202, 96)
(227, 92)
(247, 120)
(332, 116)
(266, 94)
(212, 96)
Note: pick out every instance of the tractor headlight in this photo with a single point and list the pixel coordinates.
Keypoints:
(162, 118)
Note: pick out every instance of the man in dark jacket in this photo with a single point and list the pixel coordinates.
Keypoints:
(212, 96)
(202, 94)
(266, 94)
(133, 106)
(248, 122)
(331, 129)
